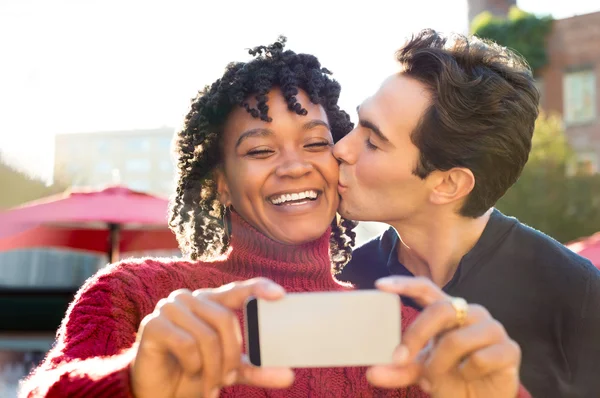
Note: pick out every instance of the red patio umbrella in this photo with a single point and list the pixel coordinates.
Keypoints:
(588, 247)
(112, 220)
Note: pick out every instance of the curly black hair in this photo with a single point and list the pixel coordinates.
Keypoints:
(196, 216)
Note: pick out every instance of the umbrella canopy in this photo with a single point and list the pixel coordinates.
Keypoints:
(588, 247)
(110, 220)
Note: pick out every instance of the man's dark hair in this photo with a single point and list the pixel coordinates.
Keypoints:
(483, 109)
(196, 216)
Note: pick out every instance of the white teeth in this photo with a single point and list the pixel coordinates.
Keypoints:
(294, 196)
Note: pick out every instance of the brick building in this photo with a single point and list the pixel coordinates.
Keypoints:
(570, 83)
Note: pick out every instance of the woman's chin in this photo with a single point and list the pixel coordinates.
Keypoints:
(296, 235)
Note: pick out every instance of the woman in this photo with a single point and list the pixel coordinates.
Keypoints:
(256, 196)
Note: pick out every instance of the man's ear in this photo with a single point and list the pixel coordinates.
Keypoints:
(452, 185)
(222, 187)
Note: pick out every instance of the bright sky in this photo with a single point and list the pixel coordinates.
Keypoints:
(82, 65)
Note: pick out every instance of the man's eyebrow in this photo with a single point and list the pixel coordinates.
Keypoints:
(258, 132)
(371, 126)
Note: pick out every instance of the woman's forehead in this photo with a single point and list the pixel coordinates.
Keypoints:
(278, 110)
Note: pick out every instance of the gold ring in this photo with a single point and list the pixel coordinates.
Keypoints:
(462, 308)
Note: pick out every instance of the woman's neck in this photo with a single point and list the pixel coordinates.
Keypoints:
(305, 266)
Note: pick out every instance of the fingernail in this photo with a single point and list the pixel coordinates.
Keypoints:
(215, 393)
(425, 386)
(400, 355)
(384, 281)
(275, 289)
(389, 281)
(230, 378)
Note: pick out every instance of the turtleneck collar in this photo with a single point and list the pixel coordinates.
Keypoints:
(296, 267)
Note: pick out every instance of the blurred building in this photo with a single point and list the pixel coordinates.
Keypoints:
(139, 159)
(570, 84)
(496, 7)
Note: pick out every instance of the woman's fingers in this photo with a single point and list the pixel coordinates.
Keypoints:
(160, 335)
(234, 295)
(202, 332)
(215, 306)
(207, 340)
(226, 323)
(264, 377)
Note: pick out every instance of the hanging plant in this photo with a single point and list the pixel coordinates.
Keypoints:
(520, 31)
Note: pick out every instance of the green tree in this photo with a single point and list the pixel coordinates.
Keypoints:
(17, 187)
(520, 31)
(551, 194)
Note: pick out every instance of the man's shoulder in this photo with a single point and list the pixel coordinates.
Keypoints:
(382, 243)
(369, 260)
(375, 251)
(534, 248)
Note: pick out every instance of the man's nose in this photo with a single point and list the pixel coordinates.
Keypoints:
(342, 150)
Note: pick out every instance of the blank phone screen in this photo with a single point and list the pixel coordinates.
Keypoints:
(328, 329)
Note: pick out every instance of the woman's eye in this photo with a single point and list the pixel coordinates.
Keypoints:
(260, 152)
(369, 144)
(320, 144)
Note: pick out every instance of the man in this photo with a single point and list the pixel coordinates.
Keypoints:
(436, 146)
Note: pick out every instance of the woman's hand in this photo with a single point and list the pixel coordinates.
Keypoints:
(448, 357)
(191, 345)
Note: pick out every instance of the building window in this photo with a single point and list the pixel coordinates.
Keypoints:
(138, 165)
(103, 146)
(587, 163)
(138, 144)
(164, 143)
(579, 97)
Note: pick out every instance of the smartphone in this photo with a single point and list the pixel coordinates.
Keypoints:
(323, 329)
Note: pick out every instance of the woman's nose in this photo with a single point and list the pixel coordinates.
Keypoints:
(294, 166)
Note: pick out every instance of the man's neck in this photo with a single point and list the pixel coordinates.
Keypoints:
(433, 247)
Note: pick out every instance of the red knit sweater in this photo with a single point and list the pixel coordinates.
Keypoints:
(93, 349)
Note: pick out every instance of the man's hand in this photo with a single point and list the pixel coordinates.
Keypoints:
(446, 358)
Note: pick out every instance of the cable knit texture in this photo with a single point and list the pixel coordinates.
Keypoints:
(94, 343)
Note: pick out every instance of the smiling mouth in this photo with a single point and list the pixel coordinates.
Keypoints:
(296, 198)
